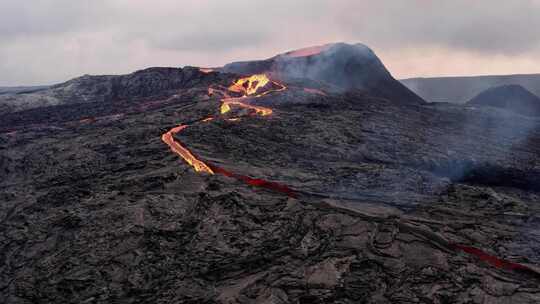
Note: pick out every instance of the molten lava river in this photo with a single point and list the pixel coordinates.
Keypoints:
(250, 87)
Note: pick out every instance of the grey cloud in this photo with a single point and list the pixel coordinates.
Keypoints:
(215, 41)
(507, 27)
(45, 17)
(84, 36)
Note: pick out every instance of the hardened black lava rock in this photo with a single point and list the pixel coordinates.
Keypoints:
(96, 208)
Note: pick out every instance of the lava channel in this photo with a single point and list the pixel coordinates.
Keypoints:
(249, 87)
(493, 260)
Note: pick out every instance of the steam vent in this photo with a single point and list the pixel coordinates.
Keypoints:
(313, 176)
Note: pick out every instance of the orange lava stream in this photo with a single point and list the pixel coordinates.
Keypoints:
(177, 148)
(249, 86)
(226, 107)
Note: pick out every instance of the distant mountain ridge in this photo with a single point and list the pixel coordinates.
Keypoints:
(514, 98)
(22, 89)
(462, 89)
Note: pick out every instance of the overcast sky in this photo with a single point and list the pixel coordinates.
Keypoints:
(48, 41)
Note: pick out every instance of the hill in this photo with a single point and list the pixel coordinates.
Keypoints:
(514, 98)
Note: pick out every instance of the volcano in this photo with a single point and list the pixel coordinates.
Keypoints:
(514, 98)
(263, 182)
(346, 66)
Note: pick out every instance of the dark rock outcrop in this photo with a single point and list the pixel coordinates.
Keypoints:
(152, 82)
(513, 98)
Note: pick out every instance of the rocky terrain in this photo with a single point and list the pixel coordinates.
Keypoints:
(393, 200)
(513, 98)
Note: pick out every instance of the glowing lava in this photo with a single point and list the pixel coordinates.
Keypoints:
(226, 107)
(492, 260)
(256, 182)
(249, 85)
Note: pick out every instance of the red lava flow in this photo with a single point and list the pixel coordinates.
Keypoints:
(256, 182)
(492, 260)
